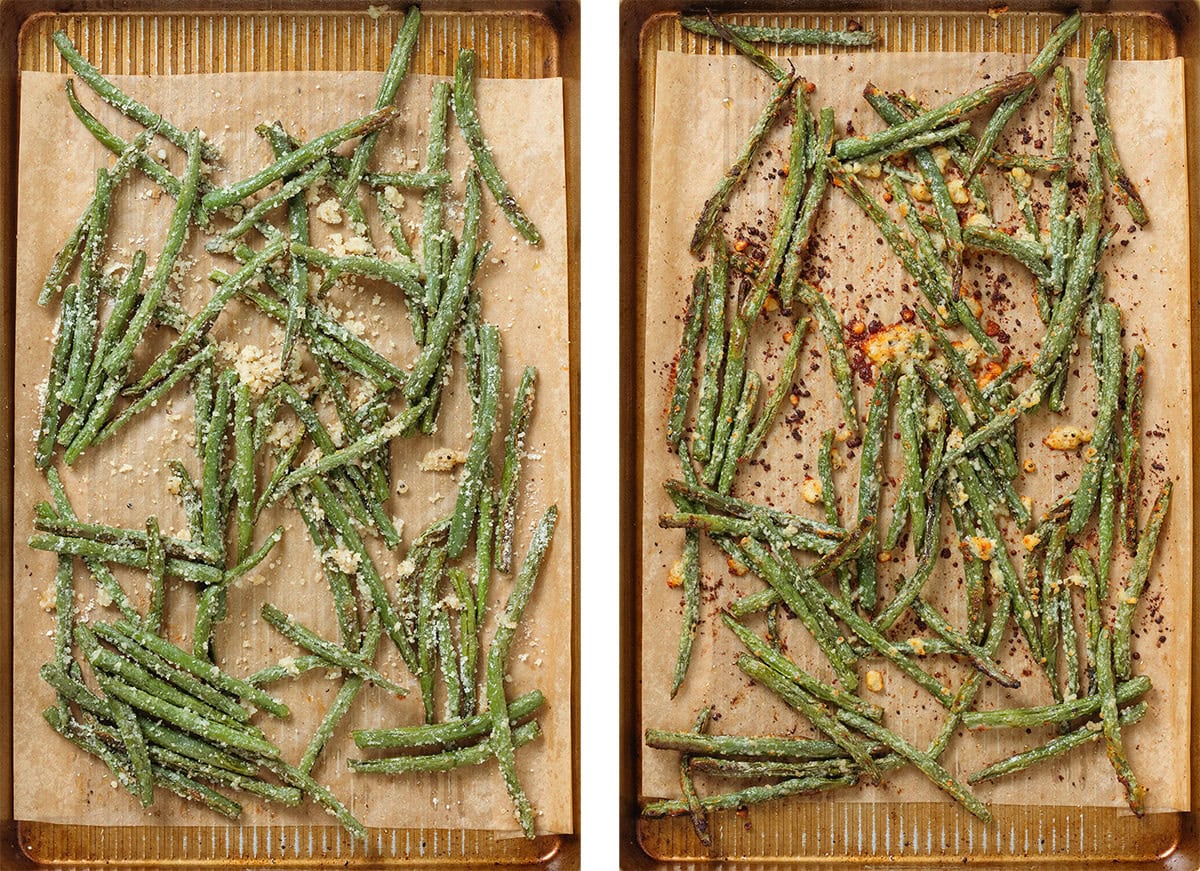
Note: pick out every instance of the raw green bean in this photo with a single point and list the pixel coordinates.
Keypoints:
(467, 115)
(341, 702)
(450, 306)
(1139, 573)
(514, 451)
(151, 397)
(335, 655)
(296, 160)
(856, 147)
(52, 391)
(447, 734)
(393, 76)
(497, 665)
(1012, 104)
(1095, 84)
(483, 425)
(120, 357)
(812, 710)
(203, 669)
(716, 202)
(447, 760)
(124, 103)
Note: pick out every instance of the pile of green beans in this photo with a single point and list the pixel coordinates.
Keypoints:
(167, 715)
(957, 433)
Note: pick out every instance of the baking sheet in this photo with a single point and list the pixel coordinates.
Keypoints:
(713, 102)
(524, 292)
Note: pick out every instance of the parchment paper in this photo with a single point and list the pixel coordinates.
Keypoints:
(704, 109)
(524, 291)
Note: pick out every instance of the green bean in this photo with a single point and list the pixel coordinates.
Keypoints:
(66, 256)
(714, 353)
(928, 765)
(335, 655)
(318, 793)
(393, 76)
(296, 160)
(450, 305)
(467, 667)
(52, 392)
(497, 665)
(856, 147)
(835, 559)
(935, 181)
(352, 453)
(1062, 712)
(1030, 162)
(1049, 601)
(830, 327)
(447, 734)
(783, 384)
(64, 611)
(793, 188)
(1070, 641)
(918, 141)
(214, 452)
(980, 658)
(173, 761)
(1021, 607)
(432, 232)
(1131, 458)
(1091, 612)
(819, 146)
(400, 273)
(747, 49)
(426, 628)
(450, 662)
(1106, 518)
(742, 768)
(186, 718)
(783, 35)
(790, 671)
(716, 524)
(1112, 728)
(422, 180)
(688, 787)
(87, 302)
(467, 114)
(150, 398)
(798, 699)
(211, 608)
(1056, 746)
(126, 537)
(748, 796)
(1059, 193)
(739, 432)
(1061, 331)
(1095, 84)
(716, 202)
(119, 358)
(685, 362)
(483, 426)
(291, 666)
(256, 556)
(731, 505)
(156, 567)
(906, 594)
(295, 186)
(1012, 104)
(199, 326)
(341, 702)
(689, 574)
(122, 555)
(447, 760)
(514, 450)
(870, 475)
(205, 670)
(1030, 253)
(121, 101)
(1139, 573)
(1110, 389)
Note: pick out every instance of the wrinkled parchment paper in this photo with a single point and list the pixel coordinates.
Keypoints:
(125, 479)
(704, 109)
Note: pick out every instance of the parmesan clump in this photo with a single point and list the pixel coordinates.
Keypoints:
(1067, 437)
(345, 560)
(329, 212)
(257, 369)
(898, 342)
(810, 490)
(442, 460)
